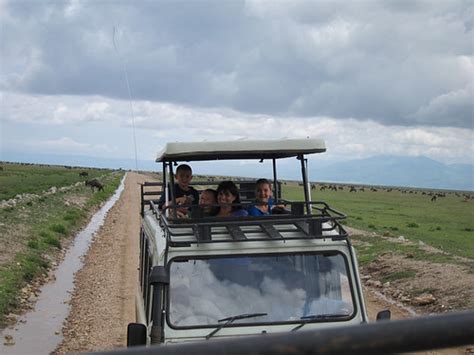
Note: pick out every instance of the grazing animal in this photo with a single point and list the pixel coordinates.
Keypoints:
(83, 174)
(433, 199)
(95, 183)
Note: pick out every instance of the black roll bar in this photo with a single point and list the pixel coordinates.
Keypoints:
(142, 205)
(147, 196)
(165, 177)
(171, 187)
(275, 181)
(407, 335)
(305, 182)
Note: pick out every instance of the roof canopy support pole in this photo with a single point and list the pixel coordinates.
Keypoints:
(171, 189)
(275, 181)
(308, 185)
(305, 182)
(142, 201)
(164, 176)
(164, 187)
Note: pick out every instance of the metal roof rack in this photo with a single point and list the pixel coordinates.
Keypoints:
(325, 223)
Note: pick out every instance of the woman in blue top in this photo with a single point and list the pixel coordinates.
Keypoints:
(263, 195)
(228, 193)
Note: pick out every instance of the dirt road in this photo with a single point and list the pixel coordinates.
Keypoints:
(103, 300)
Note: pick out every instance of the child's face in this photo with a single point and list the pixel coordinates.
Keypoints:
(263, 192)
(206, 198)
(184, 177)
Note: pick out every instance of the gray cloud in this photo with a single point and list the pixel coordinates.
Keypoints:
(96, 120)
(394, 62)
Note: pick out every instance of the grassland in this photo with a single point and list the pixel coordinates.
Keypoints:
(32, 233)
(446, 224)
(21, 178)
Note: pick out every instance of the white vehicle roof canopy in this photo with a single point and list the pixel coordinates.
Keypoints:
(240, 149)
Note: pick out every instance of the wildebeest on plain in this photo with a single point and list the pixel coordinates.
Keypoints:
(95, 183)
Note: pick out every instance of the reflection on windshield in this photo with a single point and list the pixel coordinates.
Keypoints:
(286, 287)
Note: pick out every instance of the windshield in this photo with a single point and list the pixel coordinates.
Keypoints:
(285, 287)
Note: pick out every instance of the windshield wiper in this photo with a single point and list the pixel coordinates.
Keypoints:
(229, 320)
(307, 319)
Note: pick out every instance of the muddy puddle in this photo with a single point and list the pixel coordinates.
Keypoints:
(39, 331)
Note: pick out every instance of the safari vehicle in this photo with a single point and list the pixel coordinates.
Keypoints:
(203, 278)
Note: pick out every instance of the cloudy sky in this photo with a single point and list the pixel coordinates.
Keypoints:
(370, 77)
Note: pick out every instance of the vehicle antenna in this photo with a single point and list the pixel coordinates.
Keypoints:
(129, 98)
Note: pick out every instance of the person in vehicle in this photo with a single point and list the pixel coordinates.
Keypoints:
(207, 199)
(264, 205)
(183, 192)
(228, 193)
(264, 200)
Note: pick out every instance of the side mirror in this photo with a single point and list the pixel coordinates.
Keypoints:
(136, 334)
(384, 315)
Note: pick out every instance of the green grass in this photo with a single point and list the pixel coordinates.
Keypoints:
(446, 224)
(20, 178)
(14, 276)
(72, 215)
(53, 241)
(373, 246)
(58, 228)
(44, 224)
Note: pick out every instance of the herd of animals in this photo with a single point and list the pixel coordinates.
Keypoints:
(432, 195)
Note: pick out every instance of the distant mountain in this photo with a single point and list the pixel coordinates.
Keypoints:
(398, 171)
